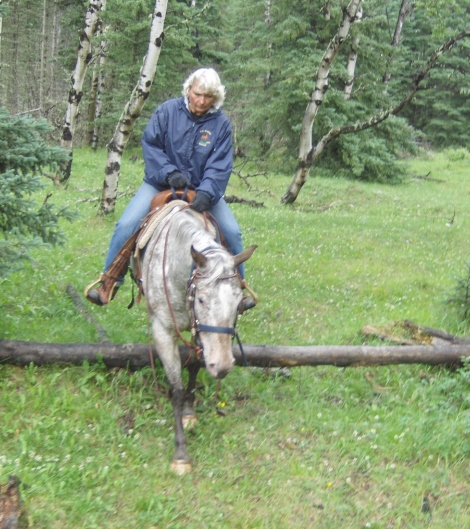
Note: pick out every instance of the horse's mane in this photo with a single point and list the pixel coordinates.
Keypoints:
(190, 230)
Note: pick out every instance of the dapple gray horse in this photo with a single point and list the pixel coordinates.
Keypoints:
(181, 248)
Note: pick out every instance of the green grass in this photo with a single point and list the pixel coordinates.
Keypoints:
(328, 447)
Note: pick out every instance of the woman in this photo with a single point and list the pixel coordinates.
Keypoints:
(187, 143)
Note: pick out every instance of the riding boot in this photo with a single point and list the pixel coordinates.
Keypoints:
(110, 280)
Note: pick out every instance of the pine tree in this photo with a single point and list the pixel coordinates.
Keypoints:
(25, 221)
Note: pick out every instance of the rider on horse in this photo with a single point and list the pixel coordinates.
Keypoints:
(186, 144)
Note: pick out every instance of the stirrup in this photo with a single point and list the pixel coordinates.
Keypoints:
(104, 293)
(91, 285)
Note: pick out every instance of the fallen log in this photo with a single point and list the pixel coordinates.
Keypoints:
(135, 355)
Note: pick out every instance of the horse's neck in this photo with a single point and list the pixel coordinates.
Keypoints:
(192, 232)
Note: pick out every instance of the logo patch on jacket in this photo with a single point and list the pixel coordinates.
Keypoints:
(205, 138)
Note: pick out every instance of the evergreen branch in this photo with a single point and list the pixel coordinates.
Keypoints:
(393, 110)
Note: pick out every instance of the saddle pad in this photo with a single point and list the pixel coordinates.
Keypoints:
(157, 216)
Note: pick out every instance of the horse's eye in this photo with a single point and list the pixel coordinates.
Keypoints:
(201, 301)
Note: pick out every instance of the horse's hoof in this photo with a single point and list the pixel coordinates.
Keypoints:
(189, 422)
(180, 466)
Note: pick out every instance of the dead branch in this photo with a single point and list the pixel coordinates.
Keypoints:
(428, 178)
(55, 179)
(77, 300)
(368, 330)
(232, 199)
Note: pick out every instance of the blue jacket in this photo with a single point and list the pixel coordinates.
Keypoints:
(199, 148)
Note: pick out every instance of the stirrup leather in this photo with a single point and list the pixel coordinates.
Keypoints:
(247, 302)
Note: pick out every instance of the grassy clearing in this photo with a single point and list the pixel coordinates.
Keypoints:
(351, 448)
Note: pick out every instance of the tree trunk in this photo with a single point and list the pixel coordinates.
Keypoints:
(55, 35)
(42, 61)
(133, 109)
(137, 355)
(92, 22)
(305, 149)
(92, 104)
(405, 9)
(351, 68)
(352, 60)
(99, 96)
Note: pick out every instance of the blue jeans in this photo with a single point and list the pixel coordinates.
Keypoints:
(138, 208)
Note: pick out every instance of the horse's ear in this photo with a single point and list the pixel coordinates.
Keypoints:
(245, 255)
(199, 258)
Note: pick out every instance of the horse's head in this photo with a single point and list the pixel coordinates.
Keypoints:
(215, 295)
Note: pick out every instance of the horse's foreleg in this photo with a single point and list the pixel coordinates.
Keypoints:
(189, 415)
(169, 355)
(181, 463)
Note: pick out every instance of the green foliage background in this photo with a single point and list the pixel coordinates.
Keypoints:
(268, 56)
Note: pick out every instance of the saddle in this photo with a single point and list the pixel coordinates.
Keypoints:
(119, 267)
(164, 197)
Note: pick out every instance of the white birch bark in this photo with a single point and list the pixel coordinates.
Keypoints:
(92, 102)
(133, 109)
(306, 146)
(352, 60)
(351, 68)
(92, 21)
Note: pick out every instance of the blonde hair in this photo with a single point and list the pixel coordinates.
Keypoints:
(209, 82)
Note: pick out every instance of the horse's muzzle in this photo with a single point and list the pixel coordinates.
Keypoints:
(219, 371)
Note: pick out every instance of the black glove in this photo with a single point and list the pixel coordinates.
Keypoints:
(177, 180)
(201, 202)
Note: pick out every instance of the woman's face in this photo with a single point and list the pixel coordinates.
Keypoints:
(199, 102)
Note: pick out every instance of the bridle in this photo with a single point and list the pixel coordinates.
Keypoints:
(196, 325)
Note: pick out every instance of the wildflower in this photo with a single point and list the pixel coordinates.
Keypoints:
(329, 484)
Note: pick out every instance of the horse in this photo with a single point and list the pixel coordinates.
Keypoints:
(190, 283)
